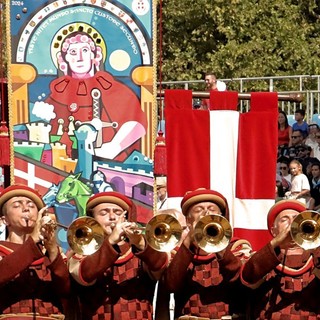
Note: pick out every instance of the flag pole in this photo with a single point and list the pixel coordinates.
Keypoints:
(4, 131)
(291, 97)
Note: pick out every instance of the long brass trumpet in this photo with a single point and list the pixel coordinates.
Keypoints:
(305, 229)
(163, 232)
(213, 233)
(84, 235)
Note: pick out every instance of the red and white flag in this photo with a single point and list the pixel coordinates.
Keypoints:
(36, 175)
(227, 151)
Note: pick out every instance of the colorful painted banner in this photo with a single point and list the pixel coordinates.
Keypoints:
(81, 100)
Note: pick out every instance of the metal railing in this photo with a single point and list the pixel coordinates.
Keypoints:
(308, 86)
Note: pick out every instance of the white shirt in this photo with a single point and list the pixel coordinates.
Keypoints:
(316, 152)
(299, 183)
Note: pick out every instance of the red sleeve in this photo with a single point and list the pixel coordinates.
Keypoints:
(60, 276)
(176, 272)
(14, 262)
(155, 260)
(96, 264)
(229, 266)
(259, 265)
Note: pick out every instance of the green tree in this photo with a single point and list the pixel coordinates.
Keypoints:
(240, 38)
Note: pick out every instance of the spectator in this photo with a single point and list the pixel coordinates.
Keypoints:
(297, 138)
(300, 124)
(315, 184)
(283, 275)
(292, 152)
(34, 278)
(300, 187)
(161, 183)
(118, 280)
(316, 150)
(303, 155)
(311, 139)
(282, 186)
(284, 130)
(284, 170)
(205, 284)
(212, 84)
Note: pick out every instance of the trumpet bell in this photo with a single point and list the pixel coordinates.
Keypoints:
(305, 229)
(163, 232)
(213, 233)
(85, 235)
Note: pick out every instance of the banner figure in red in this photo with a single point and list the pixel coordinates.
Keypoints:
(94, 96)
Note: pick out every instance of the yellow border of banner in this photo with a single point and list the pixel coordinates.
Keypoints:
(9, 83)
(155, 105)
(150, 138)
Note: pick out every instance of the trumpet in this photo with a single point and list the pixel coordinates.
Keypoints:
(305, 229)
(163, 232)
(213, 233)
(84, 235)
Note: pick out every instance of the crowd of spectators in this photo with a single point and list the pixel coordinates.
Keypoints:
(298, 162)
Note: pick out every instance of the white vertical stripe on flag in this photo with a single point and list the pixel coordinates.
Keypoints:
(224, 127)
(224, 131)
(251, 213)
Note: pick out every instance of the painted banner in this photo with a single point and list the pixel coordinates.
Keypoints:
(227, 151)
(81, 102)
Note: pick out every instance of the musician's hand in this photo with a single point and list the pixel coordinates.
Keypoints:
(282, 238)
(36, 232)
(189, 234)
(48, 232)
(135, 236)
(117, 233)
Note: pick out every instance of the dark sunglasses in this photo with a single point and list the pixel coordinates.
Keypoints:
(283, 168)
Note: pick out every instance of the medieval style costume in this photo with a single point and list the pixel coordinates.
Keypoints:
(288, 287)
(117, 282)
(31, 287)
(205, 286)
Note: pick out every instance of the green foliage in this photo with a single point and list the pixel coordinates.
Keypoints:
(240, 38)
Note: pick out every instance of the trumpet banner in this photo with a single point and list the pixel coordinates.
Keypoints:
(227, 151)
(81, 100)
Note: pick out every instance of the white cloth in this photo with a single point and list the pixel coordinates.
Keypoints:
(161, 205)
(299, 183)
(316, 152)
(311, 143)
(2, 232)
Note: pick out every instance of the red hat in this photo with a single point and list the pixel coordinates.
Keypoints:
(281, 206)
(20, 191)
(113, 197)
(204, 195)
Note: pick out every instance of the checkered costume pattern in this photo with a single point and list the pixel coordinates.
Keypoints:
(289, 291)
(27, 284)
(123, 288)
(203, 286)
